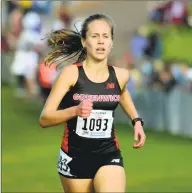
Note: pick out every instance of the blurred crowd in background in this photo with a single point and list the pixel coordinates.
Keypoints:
(28, 22)
(149, 69)
(27, 25)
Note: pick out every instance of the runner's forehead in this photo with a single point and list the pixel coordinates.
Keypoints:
(99, 27)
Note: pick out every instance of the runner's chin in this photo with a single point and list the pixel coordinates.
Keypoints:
(100, 56)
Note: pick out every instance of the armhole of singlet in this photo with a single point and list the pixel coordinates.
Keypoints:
(78, 65)
(115, 76)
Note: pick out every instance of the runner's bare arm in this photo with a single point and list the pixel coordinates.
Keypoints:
(50, 116)
(126, 101)
(129, 108)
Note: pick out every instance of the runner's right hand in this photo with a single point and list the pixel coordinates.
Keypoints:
(84, 108)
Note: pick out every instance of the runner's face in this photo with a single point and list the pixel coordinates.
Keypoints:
(98, 40)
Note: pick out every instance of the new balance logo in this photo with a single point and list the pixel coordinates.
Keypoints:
(116, 160)
(110, 85)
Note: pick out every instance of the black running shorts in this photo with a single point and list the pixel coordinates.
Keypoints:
(86, 166)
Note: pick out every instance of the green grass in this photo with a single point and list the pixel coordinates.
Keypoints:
(29, 154)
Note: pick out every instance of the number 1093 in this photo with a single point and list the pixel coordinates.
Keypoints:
(97, 124)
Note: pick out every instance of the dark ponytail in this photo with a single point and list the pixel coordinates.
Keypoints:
(66, 44)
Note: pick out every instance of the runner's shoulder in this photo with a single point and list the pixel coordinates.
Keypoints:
(70, 73)
(122, 75)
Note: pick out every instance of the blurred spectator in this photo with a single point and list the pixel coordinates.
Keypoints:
(65, 17)
(153, 50)
(157, 14)
(158, 67)
(26, 58)
(32, 21)
(189, 75)
(147, 70)
(174, 11)
(182, 75)
(178, 12)
(128, 60)
(4, 43)
(5, 58)
(138, 44)
(62, 18)
(23, 68)
(31, 34)
(14, 28)
(58, 25)
(26, 6)
(46, 76)
(167, 79)
(43, 7)
(136, 79)
(131, 85)
(11, 5)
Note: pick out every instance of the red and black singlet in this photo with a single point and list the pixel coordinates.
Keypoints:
(95, 134)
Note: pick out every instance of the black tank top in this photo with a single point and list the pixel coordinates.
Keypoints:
(95, 134)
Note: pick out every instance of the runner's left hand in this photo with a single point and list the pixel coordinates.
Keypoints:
(139, 135)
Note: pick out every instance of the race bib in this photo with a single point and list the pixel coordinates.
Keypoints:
(97, 125)
(62, 165)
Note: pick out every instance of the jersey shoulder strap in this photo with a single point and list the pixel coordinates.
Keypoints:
(113, 76)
